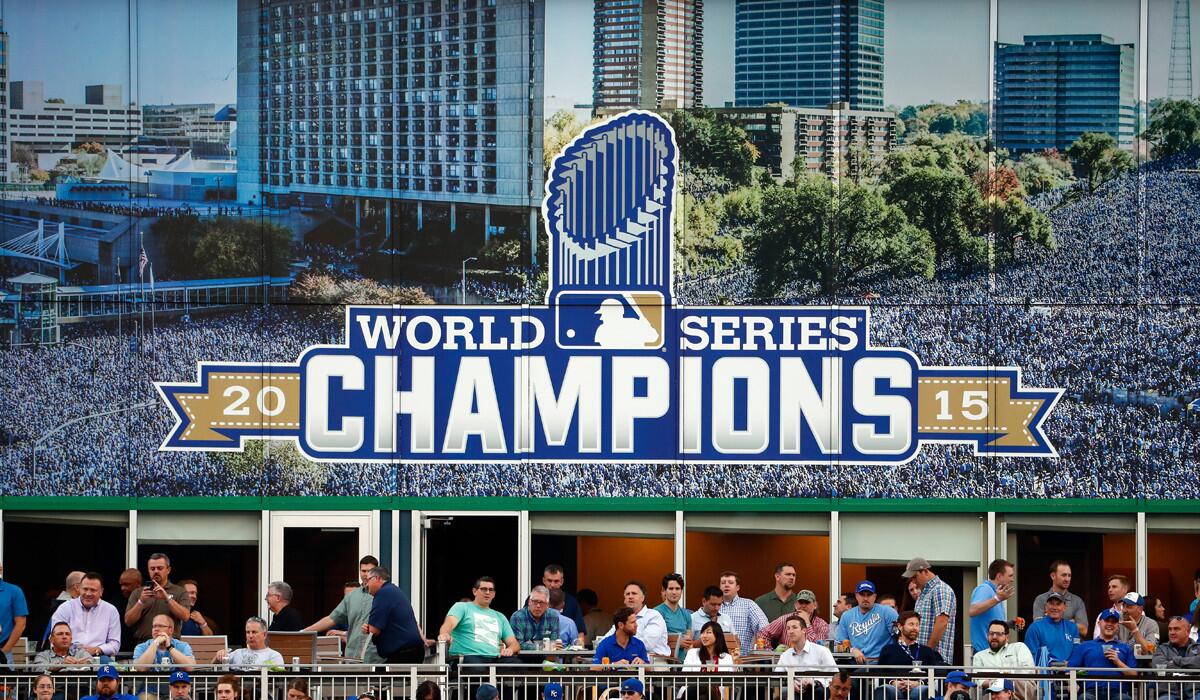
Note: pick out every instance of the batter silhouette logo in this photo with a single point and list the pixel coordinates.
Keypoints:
(610, 369)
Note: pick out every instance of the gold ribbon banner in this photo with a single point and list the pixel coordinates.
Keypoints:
(987, 407)
(231, 403)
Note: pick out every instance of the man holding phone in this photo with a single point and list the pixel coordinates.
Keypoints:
(987, 601)
(158, 596)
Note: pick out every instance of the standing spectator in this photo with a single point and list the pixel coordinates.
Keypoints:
(157, 597)
(804, 655)
(94, 622)
(13, 613)
(868, 626)
(129, 581)
(987, 602)
(938, 607)
(1136, 626)
(905, 651)
(64, 652)
(351, 613)
(481, 635)
(594, 619)
(1052, 637)
(567, 632)
(780, 600)
(163, 650)
(536, 622)
(256, 653)
(1001, 653)
(1117, 587)
(198, 624)
(745, 617)
(70, 592)
(711, 653)
(554, 578)
(677, 618)
(651, 628)
(622, 647)
(284, 618)
(392, 623)
(107, 685)
(1060, 581)
(1103, 653)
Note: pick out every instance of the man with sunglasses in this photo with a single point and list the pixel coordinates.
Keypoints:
(476, 632)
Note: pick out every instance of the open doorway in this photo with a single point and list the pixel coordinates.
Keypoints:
(490, 546)
(226, 579)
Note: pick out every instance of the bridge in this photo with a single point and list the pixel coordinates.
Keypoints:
(35, 245)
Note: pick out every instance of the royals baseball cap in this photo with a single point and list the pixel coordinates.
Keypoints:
(999, 685)
(1110, 614)
(1055, 595)
(553, 691)
(959, 677)
(865, 587)
(633, 684)
(180, 677)
(807, 596)
(107, 671)
(914, 565)
(487, 691)
(1134, 598)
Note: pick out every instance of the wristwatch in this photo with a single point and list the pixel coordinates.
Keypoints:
(170, 597)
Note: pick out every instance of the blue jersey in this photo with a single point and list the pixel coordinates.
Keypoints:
(1058, 639)
(979, 623)
(1090, 655)
(867, 631)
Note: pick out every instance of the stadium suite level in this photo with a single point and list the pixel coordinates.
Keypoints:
(307, 542)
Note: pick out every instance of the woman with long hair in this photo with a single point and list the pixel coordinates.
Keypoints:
(43, 687)
(1158, 612)
(298, 690)
(710, 655)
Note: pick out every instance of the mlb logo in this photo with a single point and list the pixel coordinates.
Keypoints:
(610, 320)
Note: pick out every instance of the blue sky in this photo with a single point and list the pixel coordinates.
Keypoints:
(186, 50)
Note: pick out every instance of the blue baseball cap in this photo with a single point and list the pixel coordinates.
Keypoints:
(633, 684)
(865, 587)
(1000, 685)
(180, 677)
(487, 691)
(107, 671)
(1134, 598)
(1110, 614)
(552, 691)
(960, 678)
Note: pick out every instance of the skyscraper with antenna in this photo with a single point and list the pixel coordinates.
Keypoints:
(1179, 80)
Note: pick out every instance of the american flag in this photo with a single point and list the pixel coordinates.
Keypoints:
(142, 262)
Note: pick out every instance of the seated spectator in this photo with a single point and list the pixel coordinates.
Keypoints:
(621, 647)
(867, 626)
(957, 686)
(775, 633)
(63, 653)
(844, 602)
(550, 691)
(1179, 651)
(198, 624)
(1052, 637)
(1105, 656)
(256, 654)
(677, 617)
(804, 655)
(1001, 653)
(905, 651)
(889, 600)
(298, 690)
(632, 689)
(108, 686)
(711, 653)
(229, 686)
(284, 618)
(842, 683)
(429, 690)
(1136, 626)
(536, 623)
(163, 650)
(475, 631)
(594, 618)
(43, 688)
(95, 623)
(181, 685)
(1001, 689)
(651, 628)
(568, 633)
(710, 611)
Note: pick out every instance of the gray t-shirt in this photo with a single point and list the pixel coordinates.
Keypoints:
(1076, 611)
(252, 660)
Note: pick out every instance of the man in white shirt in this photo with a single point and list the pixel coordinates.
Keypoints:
(651, 627)
(1007, 655)
(804, 655)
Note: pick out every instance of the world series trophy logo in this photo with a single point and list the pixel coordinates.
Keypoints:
(610, 370)
(608, 208)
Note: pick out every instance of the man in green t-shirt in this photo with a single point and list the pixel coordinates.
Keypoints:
(351, 613)
(478, 633)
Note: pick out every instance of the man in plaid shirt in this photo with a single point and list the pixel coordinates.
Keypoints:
(536, 621)
(746, 616)
(937, 605)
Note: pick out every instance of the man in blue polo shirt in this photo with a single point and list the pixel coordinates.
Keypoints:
(1052, 638)
(392, 623)
(1105, 656)
(867, 626)
(13, 613)
(621, 648)
(987, 602)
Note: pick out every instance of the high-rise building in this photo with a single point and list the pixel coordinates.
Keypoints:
(809, 53)
(1053, 88)
(647, 54)
(192, 126)
(52, 125)
(4, 142)
(430, 102)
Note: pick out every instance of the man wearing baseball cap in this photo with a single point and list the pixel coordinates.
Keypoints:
(1105, 656)
(957, 686)
(1052, 638)
(1000, 689)
(552, 691)
(181, 685)
(632, 689)
(867, 626)
(817, 631)
(937, 605)
(108, 686)
(1136, 626)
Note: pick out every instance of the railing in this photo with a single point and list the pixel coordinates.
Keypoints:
(525, 681)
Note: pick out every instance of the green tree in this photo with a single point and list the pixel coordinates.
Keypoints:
(1098, 159)
(1013, 223)
(559, 130)
(1040, 172)
(1174, 127)
(700, 246)
(225, 247)
(946, 205)
(707, 140)
(944, 123)
(810, 231)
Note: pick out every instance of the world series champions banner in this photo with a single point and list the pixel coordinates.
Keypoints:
(610, 369)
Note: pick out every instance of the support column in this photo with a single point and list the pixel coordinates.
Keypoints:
(357, 223)
(387, 223)
(453, 217)
(533, 236)
(1141, 554)
(487, 222)
(420, 216)
(681, 547)
(835, 557)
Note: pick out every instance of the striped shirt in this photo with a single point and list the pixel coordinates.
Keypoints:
(937, 598)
